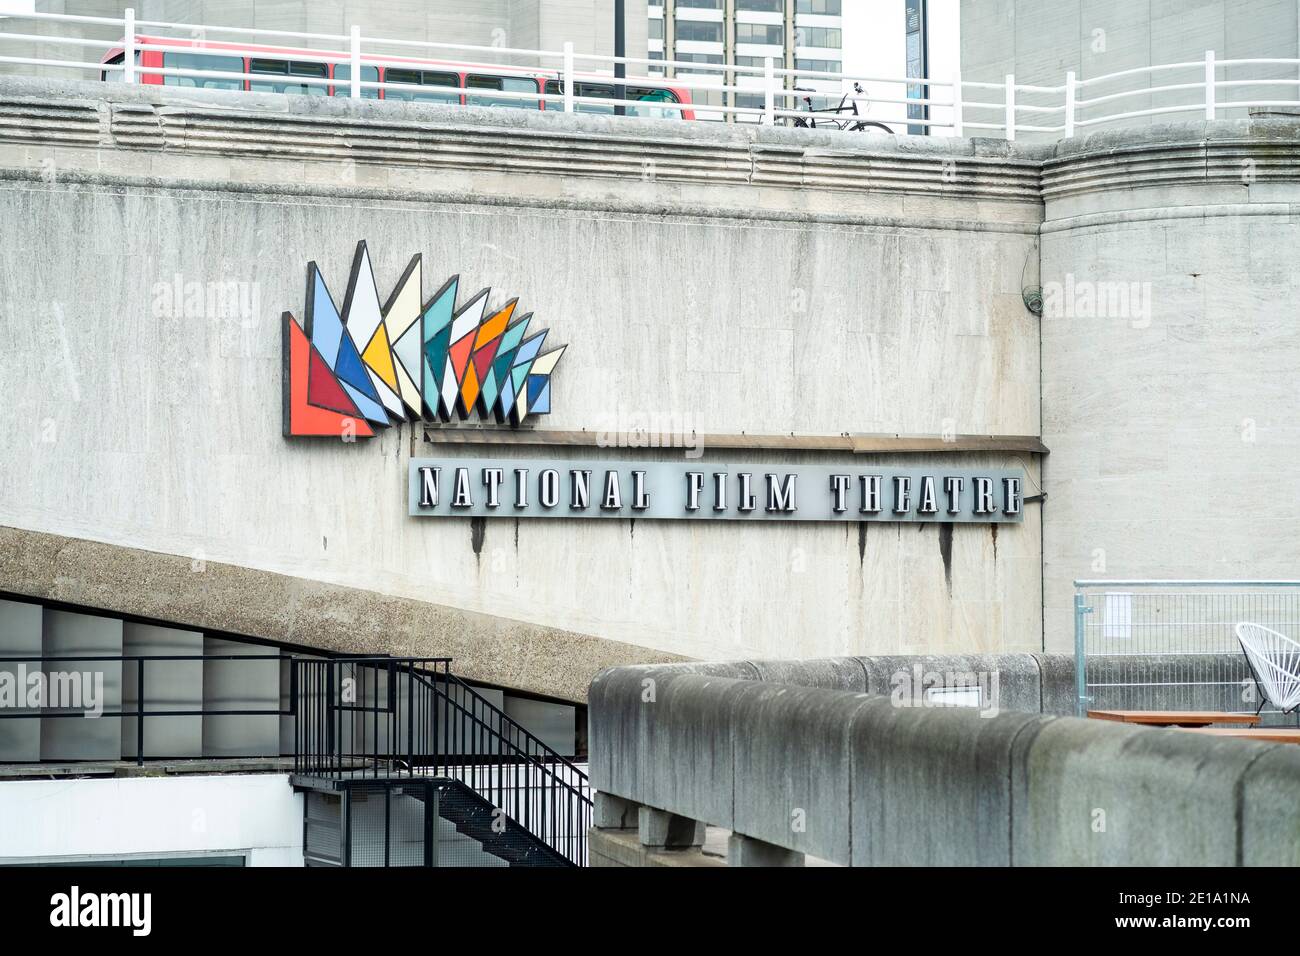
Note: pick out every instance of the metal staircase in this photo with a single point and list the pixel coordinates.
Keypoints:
(409, 728)
(499, 835)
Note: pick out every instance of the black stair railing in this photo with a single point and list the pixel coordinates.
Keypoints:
(516, 772)
(362, 717)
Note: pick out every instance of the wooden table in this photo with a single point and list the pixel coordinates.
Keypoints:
(1274, 735)
(1174, 718)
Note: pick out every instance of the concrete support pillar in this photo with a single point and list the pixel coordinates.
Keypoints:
(659, 828)
(614, 813)
(746, 851)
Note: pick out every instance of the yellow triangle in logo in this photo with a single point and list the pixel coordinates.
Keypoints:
(379, 356)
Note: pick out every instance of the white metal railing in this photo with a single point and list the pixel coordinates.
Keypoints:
(764, 94)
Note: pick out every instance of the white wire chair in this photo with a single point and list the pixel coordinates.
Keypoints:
(1275, 661)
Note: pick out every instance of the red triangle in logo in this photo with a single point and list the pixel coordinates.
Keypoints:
(301, 417)
(324, 390)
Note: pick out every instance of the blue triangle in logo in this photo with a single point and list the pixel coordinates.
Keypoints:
(349, 369)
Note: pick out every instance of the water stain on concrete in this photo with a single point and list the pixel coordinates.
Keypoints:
(477, 531)
(945, 552)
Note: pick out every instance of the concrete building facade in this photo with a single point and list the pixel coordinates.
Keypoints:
(875, 310)
(1150, 415)
(932, 328)
(1098, 328)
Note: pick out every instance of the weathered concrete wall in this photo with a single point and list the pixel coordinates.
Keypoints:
(1170, 405)
(866, 291)
(854, 779)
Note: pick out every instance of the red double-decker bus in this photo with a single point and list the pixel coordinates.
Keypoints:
(269, 69)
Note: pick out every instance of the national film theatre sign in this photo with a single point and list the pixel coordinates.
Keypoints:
(486, 488)
(367, 366)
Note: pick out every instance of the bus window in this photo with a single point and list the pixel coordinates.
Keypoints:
(118, 76)
(422, 78)
(343, 81)
(604, 91)
(652, 96)
(582, 89)
(288, 68)
(510, 84)
(202, 61)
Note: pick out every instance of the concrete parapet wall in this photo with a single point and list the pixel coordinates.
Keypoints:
(1028, 683)
(854, 779)
(1032, 683)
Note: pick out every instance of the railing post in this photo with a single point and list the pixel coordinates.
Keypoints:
(139, 712)
(436, 706)
(410, 719)
(1080, 658)
(1011, 106)
(769, 93)
(956, 104)
(128, 45)
(568, 76)
(354, 58)
(293, 709)
(1209, 84)
(1069, 104)
(329, 715)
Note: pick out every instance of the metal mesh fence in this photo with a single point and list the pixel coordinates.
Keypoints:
(367, 825)
(384, 824)
(1171, 645)
(323, 836)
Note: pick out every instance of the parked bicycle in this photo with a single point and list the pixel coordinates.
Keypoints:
(848, 107)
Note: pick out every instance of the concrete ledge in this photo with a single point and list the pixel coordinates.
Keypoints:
(1056, 681)
(1269, 824)
(237, 124)
(1089, 794)
(1187, 154)
(680, 722)
(610, 848)
(299, 611)
(793, 767)
(932, 787)
(832, 673)
(1007, 681)
(1032, 683)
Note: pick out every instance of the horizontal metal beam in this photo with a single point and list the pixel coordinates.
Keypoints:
(1188, 583)
(858, 444)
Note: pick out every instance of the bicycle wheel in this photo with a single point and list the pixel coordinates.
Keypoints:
(872, 126)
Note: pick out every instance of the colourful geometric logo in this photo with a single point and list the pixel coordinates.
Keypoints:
(373, 365)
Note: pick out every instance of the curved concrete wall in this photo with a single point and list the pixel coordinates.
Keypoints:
(870, 287)
(851, 778)
(1174, 424)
